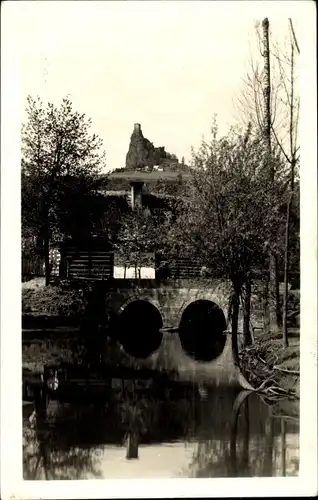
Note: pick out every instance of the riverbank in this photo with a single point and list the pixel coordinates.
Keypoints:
(268, 364)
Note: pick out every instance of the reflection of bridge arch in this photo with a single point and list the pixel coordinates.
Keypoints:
(139, 327)
(201, 330)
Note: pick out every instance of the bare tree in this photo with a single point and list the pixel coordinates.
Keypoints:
(273, 281)
(290, 152)
(270, 101)
(257, 104)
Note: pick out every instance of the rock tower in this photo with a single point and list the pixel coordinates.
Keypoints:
(142, 153)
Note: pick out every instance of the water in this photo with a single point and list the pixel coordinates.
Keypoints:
(175, 431)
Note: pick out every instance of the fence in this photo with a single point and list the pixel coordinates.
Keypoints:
(178, 268)
(89, 263)
(33, 266)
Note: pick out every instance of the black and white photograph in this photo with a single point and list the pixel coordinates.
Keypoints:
(159, 210)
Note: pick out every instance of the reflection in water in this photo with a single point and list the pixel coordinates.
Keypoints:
(48, 455)
(252, 446)
(283, 451)
(173, 433)
(132, 445)
(133, 413)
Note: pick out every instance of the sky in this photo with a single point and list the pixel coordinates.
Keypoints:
(169, 66)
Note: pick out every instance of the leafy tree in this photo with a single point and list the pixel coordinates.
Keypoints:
(175, 188)
(232, 213)
(141, 233)
(133, 240)
(61, 161)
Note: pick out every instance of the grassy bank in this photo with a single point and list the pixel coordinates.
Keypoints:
(63, 299)
(268, 364)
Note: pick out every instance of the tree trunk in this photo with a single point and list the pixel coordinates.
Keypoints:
(273, 303)
(47, 258)
(267, 89)
(235, 313)
(286, 266)
(247, 314)
(273, 295)
(266, 322)
(286, 249)
(229, 313)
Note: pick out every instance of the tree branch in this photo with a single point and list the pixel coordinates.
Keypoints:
(280, 145)
(294, 36)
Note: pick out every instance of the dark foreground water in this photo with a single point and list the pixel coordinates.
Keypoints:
(174, 431)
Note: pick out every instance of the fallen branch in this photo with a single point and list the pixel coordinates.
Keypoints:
(289, 417)
(262, 360)
(267, 400)
(279, 388)
(262, 386)
(273, 390)
(285, 370)
(275, 399)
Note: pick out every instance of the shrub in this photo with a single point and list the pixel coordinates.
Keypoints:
(61, 300)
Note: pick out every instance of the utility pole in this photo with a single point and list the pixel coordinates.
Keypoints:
(273, 281)
(267, 87)
(293, 161)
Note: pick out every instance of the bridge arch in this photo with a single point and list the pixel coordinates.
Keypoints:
(219, 300)
(201, 330)
(139, 326)
(137, 298)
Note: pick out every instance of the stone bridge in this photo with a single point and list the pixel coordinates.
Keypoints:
(178, 325)
(170, 297)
